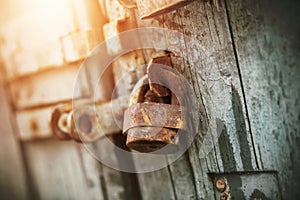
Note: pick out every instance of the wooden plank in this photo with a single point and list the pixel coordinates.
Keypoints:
(34, 124)
(78, 45)
(55, 170)
(113, 178)
(48, 87)
(92, 172)
(175, 21)
(210, 66)
(156, 185)
(26, 51)
(2, 73)
(87, 15)
(162, 185)
(130, 180)
(177, 46)
(183, 178)
(180, 171)
(100, 78)
(265, 37)
(35, 39)
(13, 183)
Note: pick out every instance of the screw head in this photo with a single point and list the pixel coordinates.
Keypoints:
(221, 185)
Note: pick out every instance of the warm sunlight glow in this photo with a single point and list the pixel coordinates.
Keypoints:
(31, 31)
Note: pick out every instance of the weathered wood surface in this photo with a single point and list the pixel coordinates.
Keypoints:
(245, 75)
(266, 38)
(35, 90)
(213, 73)
(34, 124)
(26, 51)
(55, 170)
(93, 173)
(173, 174)
(13, 179)
(78, 45)
(114, 188)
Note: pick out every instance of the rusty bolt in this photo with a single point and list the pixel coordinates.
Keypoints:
(58, 121)
(221, 185)
(62, 123)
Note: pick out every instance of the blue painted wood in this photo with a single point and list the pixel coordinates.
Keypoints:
(265, 35)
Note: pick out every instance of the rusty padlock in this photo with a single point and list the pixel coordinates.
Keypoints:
(156, 110)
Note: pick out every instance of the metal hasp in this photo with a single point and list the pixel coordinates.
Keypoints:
(246, 185)
(87, 122)
(156, 111)
(64, 127)
(149, 9)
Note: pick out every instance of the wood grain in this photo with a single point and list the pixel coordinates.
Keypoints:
(34, 124)
(242, 62)
(268, 55)
(55, 170)
(209, 64)
(49, 87)
(12, 171)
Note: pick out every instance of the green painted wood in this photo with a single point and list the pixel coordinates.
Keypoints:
(156, 185)
(118, 185)
(267, 46)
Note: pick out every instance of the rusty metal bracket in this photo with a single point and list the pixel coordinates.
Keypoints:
(128, 3)
(150, 9)
(58, 121)
(88, 122)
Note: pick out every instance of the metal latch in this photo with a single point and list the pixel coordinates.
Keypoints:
(246, 185)
(149, 9)
(87, 122)
(64, 127)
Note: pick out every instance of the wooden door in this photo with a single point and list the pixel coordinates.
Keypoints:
(247, 83)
